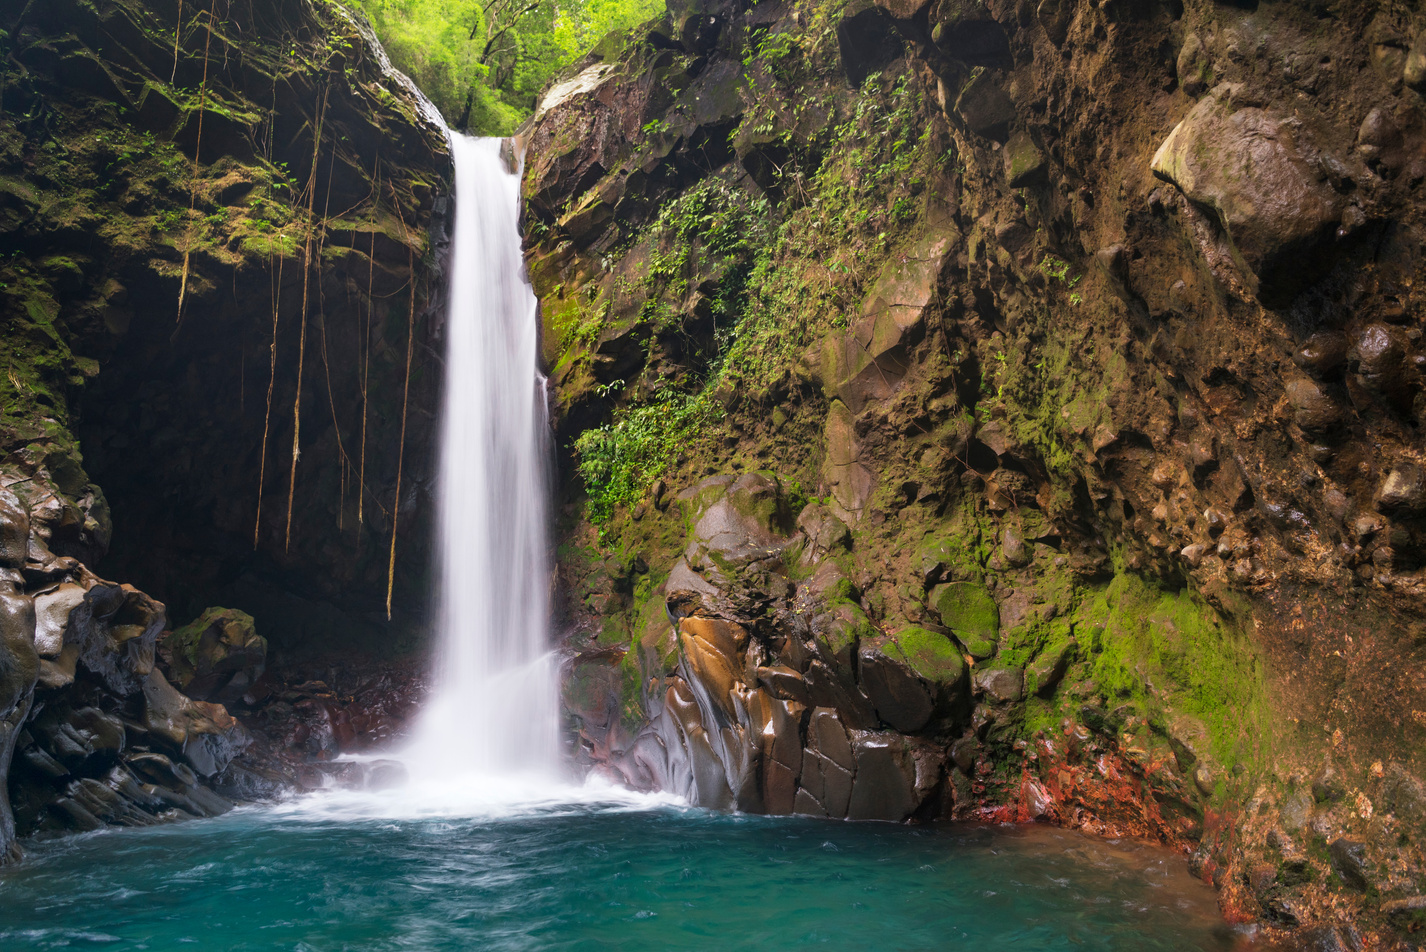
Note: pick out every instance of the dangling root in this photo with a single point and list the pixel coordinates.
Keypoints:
(366, 353)
(197, 147)
(405, 395)
(267, 417)
(302, 334)
(177, 34)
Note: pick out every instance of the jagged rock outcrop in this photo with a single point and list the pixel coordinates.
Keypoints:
(1081, 339)
(93, 733)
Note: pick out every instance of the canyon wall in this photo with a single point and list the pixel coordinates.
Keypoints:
(218, 270)
(1005, 410)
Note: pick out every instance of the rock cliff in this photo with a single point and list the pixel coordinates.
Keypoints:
(220, 231)
(1005, 409)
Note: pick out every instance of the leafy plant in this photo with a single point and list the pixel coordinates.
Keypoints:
(483, 62)
(618, 461)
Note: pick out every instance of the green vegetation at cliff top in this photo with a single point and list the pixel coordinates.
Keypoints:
(484, 62)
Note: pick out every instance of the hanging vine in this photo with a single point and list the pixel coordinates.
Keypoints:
(272, 379)
(366, 352)
(197, 148)
(405, 396)
(302, 334)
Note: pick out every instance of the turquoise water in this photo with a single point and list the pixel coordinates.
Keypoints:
(598, 876)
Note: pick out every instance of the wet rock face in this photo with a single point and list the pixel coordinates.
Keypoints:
(19, 667)
(823, 717)
(91, 732)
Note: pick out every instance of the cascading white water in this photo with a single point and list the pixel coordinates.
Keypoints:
(492, 716)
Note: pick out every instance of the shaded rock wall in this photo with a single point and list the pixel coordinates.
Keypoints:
(121, 205)
(207, 212)
(1079, 348)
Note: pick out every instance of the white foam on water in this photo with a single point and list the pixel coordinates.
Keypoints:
(473, 797)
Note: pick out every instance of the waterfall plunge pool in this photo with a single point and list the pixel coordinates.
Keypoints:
(590, 874)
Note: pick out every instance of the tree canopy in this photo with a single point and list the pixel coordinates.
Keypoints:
(484, 62)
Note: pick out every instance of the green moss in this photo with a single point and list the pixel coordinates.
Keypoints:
(969, 610)
(933, 656)
(1140, 635)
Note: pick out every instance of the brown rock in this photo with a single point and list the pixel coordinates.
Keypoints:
(14, 530)
(1403, 490)
(900, 698)
(712, 649)
(1313, 408)
(885, 782)
(1260, 176)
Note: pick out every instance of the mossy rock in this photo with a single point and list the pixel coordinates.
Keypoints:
(657, 641)
(1024, 163)
(218, 656)
(969, 610)
(932, 656)
(846, 626)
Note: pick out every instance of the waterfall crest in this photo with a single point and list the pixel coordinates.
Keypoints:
(492, 714)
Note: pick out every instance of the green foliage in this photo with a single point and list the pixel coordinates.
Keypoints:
(842, 219)
(618, 461)
(483, 63)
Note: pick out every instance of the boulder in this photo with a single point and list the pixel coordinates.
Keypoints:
(783, 683)
(748, 522)
(1055, 18)
(1265, 183)
(205, 735)
(116, 629)
(217, 657)
(82, 741)
(824, 531)
(1024, 163)
(52, 611)
(934, 658)
(851, 480)
(884, 785)
(776, 725)
(827, 766)
(970, 612)
(1322, 355)
(1349, 860)
(868, 362)
(1313, 408)
(1005, 685)
(968, 33)
(1404, 490)
(1379, 352)
(158, 769)
(900, 698)
(985, 108)
(1048, 669)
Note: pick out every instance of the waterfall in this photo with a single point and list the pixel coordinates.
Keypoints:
(491, 718)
